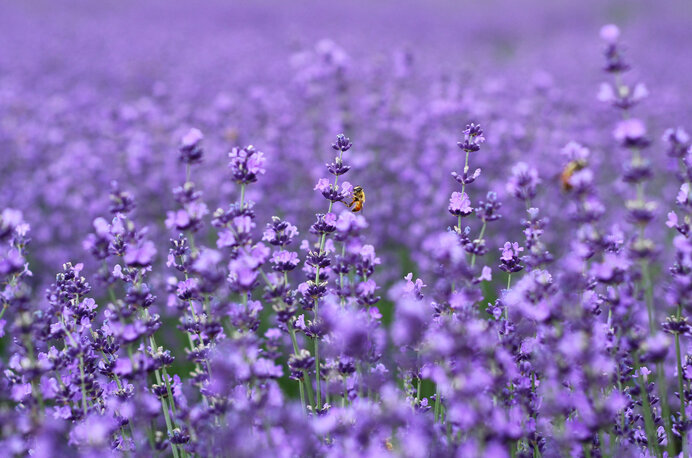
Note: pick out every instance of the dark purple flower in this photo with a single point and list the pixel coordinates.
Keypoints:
(190, 147)
(473, 138)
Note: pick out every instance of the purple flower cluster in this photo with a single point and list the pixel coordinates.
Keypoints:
(329, 305)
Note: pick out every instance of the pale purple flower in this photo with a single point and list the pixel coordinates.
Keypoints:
(460, 204)
(631, 133)
(140, 255)
(191, 138)
(684, 197)
(610, 33)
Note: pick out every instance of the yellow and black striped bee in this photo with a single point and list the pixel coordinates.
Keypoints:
(568, 171)
(358, 199)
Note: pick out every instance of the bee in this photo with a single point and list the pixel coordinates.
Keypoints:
(568, 171)
(358, 199)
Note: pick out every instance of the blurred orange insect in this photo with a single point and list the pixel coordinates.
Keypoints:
(568, 171)
(358, 199)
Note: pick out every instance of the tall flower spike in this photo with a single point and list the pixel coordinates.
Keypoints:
(459, 202)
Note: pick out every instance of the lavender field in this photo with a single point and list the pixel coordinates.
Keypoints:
(304, 229)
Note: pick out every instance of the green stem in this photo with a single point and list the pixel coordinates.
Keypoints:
(586, 448)
(199, 334)
(169, 425)
(436, 410)
(418, 391)
(150, 435)
(463, 188)
(305, 383)
(81, 373)
(345, 394)
(164, 404)
(463, 185)
(317, 373)
(600, 440)
(242, 195)
(665, 408)
(342, 299)
(649, 296)
(646, 406)
(168, 390)
(480, 237)
(509, 283)
(159, 379)
(662, 382)
(36, 391)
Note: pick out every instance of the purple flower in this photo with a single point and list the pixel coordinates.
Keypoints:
(279, 232)
(510, 251)
(672, 220)
(367, 254)
(684, 198)
(486, 274)
(409, 322)
(342, 144)
(414, 288)
(631, 133)
(623, 97)
(140, 255)
(191, 138)
(322, 185)
(350, 224)
(610, 33)
(473, 138)
(523, 182)
(187, 289)
(367, 287)
(611, 269)
(179, 220)
(460, 204)
(284, 260)
(678, 141)
(246, 164)
(190, 150)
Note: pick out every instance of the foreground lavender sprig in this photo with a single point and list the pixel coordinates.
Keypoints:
(325, 225)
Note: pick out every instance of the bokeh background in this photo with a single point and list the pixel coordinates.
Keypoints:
(93, 92)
